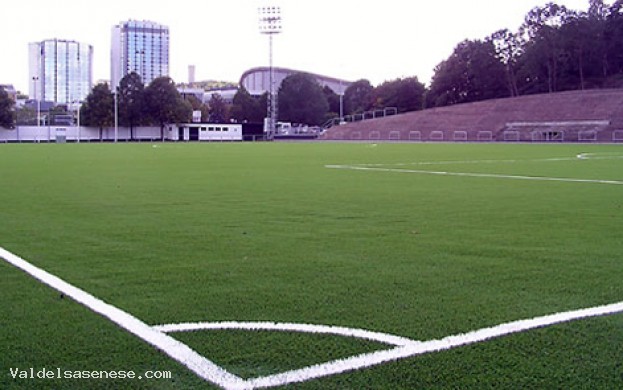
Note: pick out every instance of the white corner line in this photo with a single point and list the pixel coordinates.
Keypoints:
(466, 174)
(382, 338)
(404, 347)
(335, 367)
(204, 368)
(180, 352)
(420, 348)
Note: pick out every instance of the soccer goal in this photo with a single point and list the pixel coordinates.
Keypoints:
(374, 135)
(394, 135)
(617, 136)
(511, 136)
(415, 135)
(485, 136)
(459, 136)
(587, 136)
(436, 135)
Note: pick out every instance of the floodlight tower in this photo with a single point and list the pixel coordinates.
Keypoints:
(35, 80)
(270, 24)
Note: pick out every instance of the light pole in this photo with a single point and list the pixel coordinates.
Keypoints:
(116, 113)
(341, 102)
(35, 80)
(270, 24)
(77, 104)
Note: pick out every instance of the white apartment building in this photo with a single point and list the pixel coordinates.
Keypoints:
(60, 71)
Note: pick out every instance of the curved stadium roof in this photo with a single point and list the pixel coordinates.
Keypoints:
(256, 80)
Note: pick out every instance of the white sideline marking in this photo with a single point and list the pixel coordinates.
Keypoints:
(175, 349)
(405, 347)
(581, 156)
(466, 174)
(462, 162)
(204, 368)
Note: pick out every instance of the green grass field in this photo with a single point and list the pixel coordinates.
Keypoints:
(266, 232)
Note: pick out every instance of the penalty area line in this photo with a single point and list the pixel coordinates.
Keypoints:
(467, 174)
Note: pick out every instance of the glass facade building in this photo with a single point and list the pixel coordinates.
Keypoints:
(141, 47)
(60, 71)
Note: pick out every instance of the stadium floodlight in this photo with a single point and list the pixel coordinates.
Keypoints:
(270, 24)
(35, 80)
(116, 101)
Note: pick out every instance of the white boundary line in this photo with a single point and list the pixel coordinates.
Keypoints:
(175, 349)
(209, 371)
(466, 174)
(405, 347)
(463, 162)
(288, 327)
(582, 156)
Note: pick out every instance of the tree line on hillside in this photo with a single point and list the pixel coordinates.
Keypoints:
(555, 49)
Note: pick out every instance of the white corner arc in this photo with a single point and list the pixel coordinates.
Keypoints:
(402, 347)
(179, 351)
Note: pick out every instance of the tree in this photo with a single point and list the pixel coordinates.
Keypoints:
(555, 49)
(218, 109)
(334, 102)
(544, 50)
(472, 73)
(7, 115)
(98, 110)
(358, 97)
(404, 94)
(131, 101)
(583, 53)
(597, 9)
(595, 30)
(613, 37)
(197, 105)
(164, 104)
(301, 100)
(183, 112)
(247, 108)
(26, 115)
(508, 47)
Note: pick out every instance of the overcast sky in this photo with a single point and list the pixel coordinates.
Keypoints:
(347, 39)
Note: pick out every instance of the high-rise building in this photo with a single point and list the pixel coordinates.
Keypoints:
(60, 71)
(191, 74)
(141, 47)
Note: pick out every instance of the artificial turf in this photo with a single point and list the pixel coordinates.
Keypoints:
(179, 232)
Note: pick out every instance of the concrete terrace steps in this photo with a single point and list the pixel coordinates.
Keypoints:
(594, 115)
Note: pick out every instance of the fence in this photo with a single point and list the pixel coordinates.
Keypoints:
(82, 134)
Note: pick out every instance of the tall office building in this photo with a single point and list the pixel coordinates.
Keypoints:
(60, 71)
(141, 47)
(191, 74)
